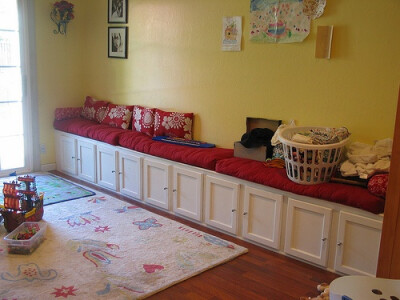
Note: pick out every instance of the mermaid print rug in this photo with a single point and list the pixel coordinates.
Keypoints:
(99, 247)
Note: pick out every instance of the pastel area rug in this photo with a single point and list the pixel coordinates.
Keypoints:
(104, 248)
(56, 189)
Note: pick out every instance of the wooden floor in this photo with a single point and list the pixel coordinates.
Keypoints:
(258, 274)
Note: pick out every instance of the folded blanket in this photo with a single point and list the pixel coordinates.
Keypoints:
(365, 160)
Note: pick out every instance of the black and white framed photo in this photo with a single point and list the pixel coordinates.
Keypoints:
(118, 42)
(118, 11)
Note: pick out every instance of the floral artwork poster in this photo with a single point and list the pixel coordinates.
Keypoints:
(278, 21)
(231, 33)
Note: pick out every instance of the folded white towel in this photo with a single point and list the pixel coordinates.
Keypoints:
(365, 160)
(301, 138)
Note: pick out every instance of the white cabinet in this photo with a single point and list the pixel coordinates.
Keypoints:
(357, 246)
(262, 213)
(76, 156)
(107, 167)
(221, 203)
(86, 160)
(307, 231)
(130, 174)
(187, 192)
(217, 200)
(156, 183)
(67, 155)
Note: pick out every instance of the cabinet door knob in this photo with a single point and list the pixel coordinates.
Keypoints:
(174, 190)
(165, 188)
(339, 244)
(324, 239)
(112, 171)
(233, 210)
(78, 159)
(245, 213)
(119, 173)
(73, 157)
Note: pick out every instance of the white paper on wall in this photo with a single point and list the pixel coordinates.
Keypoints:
(231, 33)
(278, 21)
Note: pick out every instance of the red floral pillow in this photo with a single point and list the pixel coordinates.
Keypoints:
(377, 185)
(67, 113)
(173, 124)
(143, 119)
(94, 110)
(118, 116)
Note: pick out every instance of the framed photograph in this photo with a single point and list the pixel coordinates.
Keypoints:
(118, 42)
(118, 11)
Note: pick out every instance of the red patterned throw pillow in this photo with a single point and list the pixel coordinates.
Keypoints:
(94, 110)
(377, 185)
(118, 116)
(64, 113)
(173, 124)
(143, 119)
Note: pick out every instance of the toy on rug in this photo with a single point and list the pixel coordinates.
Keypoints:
(21, 205)
(323, 288)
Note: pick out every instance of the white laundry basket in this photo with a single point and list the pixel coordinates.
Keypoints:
(307, 163)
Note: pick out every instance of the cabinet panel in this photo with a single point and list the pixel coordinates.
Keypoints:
(86, 160)
(106, 167)
(130, 170)
(307, 231)
(67, 155)
(192, 193)
(221, 204)
(187, 192)
(357, 246)
(262, 216)
(156, 183)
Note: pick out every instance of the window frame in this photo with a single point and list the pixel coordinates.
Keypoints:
(26, 15)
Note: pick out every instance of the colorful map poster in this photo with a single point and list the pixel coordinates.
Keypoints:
(278, 21)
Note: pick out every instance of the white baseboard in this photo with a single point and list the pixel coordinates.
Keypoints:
(48, 167)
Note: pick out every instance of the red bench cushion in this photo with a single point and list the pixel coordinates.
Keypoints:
(201, 157)
(105, 133)
(78, 126)
(90, 129)
(256, 171)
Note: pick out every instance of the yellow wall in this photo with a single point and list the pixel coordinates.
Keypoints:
(175, 62)
(60, 65)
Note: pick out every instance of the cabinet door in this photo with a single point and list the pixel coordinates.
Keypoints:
(106, 167)
(67, 155)
(156, 183)
(307, 231)
(221, 204)
(357, 246)
(130, 179)
(86, 160)
(262, 217)
(187, 192)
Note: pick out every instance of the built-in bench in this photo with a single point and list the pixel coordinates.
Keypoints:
(334, 226)
(222, 161)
